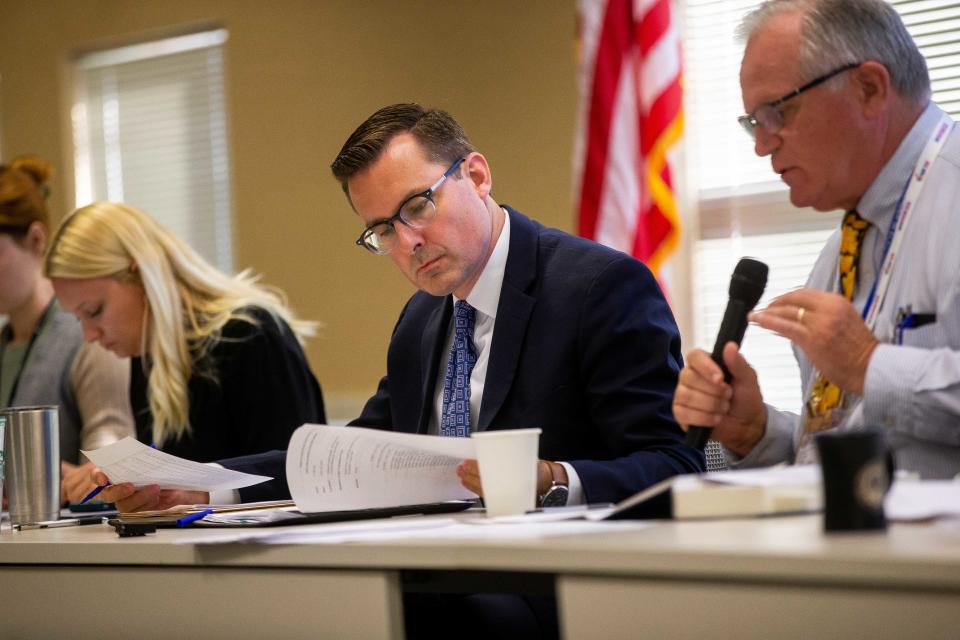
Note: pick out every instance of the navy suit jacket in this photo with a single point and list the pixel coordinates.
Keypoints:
(584, 347)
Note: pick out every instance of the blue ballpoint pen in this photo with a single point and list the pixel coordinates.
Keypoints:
(96, 490)
(193, 517)
(90, 496)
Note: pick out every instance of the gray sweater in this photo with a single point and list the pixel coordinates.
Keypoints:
(88, 383)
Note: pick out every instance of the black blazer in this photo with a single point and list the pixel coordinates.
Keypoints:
(584, 347)
(262, 390)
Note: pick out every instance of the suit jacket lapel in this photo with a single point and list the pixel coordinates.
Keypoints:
(431, 350)
(513, 315)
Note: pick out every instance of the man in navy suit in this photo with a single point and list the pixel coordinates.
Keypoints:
(569, 336)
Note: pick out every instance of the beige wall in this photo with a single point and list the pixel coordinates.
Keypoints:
(300, 76)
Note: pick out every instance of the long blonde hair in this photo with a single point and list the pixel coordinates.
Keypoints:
(188, 300)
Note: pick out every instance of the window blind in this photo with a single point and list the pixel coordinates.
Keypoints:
(149, 127)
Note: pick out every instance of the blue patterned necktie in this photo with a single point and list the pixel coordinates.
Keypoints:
(455, 420)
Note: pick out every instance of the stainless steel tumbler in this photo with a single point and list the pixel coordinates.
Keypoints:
(32, 453)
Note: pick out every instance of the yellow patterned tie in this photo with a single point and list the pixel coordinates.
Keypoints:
(825, 395)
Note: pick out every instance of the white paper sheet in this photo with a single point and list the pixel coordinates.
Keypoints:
(453, 531)
(911, 500)
(411, 529)
(332, 532)
(776, 476)
(554, 514)
(908, 500)
(129, 460)
(333, 468)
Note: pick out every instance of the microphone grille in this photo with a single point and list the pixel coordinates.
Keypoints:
(748, 281)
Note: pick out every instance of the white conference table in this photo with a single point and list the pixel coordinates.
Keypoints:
(750, 578)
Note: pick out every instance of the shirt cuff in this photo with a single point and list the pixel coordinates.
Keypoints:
(223, 496)
(574, 487)
(774, 447)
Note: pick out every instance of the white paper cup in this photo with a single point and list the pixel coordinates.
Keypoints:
(508, 470)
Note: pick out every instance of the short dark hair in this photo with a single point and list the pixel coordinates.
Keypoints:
(442, 137)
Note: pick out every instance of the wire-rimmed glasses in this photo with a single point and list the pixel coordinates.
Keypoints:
(770, 116)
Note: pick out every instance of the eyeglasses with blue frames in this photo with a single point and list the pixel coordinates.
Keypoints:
(416, 212)
(770, 116)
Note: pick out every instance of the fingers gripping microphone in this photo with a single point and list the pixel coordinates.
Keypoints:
(746, 287)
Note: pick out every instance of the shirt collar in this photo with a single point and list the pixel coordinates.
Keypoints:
(485, 296)
(880, 200)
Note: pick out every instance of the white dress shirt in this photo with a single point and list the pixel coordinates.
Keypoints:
(485, 298)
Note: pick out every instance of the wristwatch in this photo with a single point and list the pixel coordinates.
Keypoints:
(558, 492)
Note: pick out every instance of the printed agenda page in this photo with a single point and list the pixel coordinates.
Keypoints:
(337, 468)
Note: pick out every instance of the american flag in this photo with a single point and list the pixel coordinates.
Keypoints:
(631, 114)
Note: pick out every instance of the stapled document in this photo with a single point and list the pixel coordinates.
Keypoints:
(333, 468)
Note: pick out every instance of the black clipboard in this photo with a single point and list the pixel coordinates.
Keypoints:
(295, 517)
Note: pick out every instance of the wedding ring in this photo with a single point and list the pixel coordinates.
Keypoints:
(800, 312)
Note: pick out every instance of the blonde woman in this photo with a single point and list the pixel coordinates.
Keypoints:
(218, 369)
(43, 358)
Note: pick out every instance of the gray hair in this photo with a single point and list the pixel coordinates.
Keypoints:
(838, 32)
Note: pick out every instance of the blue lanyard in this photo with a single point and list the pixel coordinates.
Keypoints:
(886, 248)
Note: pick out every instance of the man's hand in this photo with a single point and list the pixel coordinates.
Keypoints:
(76, 481)
(128, 498)
(735, 411)
(830, 331)
(469, 473)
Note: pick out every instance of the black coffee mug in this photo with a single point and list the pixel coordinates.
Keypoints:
(857, 473)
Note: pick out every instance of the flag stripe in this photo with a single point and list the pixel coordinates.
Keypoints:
(660, 67)
(662, 193)
(614, 43)
(662, 113)
(632, 118)
(653, 26)
(617, 222)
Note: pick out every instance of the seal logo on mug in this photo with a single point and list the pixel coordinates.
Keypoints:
(871, 484)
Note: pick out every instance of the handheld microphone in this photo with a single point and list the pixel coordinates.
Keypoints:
(746, 286)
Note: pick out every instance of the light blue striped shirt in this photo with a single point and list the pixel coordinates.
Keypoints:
(912, 389)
